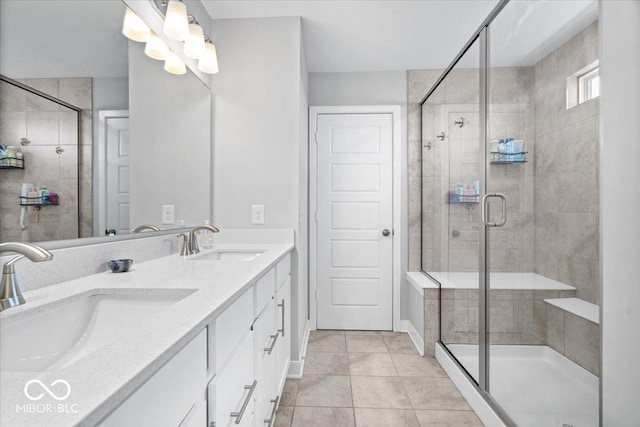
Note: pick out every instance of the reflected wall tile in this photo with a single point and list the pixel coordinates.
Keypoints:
(42, 128)
(13, 127)
(77, 92)
(12, 98)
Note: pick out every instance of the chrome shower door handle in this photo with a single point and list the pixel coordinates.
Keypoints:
(485, 210)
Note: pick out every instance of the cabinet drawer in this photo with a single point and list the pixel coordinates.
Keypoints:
(230, 328)
(266, 336)
(265, 290)
(266, 402)
(234, 388)
(283, 270)
(167, 397)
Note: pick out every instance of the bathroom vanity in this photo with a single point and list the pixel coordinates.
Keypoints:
(200, 340)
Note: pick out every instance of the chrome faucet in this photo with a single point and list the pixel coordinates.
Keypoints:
(10, 295)
(145, 227)
(192, 247)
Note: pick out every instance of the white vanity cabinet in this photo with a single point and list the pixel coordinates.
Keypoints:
(273, 364)
(251, 375)
(231, 374)
(170, 396)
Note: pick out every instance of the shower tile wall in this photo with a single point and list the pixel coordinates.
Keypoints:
(566, 171)
(457, 159)
(553, 225)
(47, 126)
(419, 82)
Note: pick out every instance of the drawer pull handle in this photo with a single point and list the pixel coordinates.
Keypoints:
(282, 306)
(273, 344)
(269, 422)
(238, 415)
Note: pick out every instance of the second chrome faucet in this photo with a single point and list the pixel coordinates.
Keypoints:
(190, 243)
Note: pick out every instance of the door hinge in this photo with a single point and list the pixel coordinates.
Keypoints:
(316, 137)
(316, 215)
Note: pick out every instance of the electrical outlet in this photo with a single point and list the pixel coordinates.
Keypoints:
(257, 214)
(168, 214)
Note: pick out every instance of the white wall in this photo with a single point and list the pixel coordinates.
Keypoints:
(260, 137)
(170, 138)
(620, 228)
(302, 235)
(370, 88)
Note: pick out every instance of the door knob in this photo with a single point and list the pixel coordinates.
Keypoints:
(386, 232)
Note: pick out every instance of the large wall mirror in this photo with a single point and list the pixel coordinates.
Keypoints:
(96, 136)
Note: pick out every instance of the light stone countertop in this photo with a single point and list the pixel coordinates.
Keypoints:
(103, 379)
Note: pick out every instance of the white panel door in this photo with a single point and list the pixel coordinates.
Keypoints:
(354, 202)
(117, 174)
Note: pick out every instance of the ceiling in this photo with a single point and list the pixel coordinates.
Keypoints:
(62, 38)
(82, 38)
(382, 35)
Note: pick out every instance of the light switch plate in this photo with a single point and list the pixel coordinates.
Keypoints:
(168, 214)
(257, 214)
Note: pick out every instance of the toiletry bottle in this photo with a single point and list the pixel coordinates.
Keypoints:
(43, 195)
(476, 189)
(459, 192)
(207, 237)
(32, 196)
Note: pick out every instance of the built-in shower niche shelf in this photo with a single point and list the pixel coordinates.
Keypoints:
(497, 158)
(457, 199)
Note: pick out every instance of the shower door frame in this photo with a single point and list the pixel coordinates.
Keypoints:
(483, 386)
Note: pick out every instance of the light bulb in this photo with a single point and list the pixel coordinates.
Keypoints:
(208, 62)
(134, 28)
(156, 48)
(174, 65)
(194, 44)
(176, 24)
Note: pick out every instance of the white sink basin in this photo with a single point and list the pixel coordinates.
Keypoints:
(61, 335)
(229, 255)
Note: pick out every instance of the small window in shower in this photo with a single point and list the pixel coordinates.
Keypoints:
(589, 85)
(583, 85)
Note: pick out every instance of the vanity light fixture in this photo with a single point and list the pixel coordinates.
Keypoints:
(174, 65)
(135, 28)
(178, 26)
(208, 62)
(156, 48)
(194, 46)
(176, 23)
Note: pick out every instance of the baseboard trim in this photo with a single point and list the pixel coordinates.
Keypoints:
(407, 326)
(480, 406)
(296, 367)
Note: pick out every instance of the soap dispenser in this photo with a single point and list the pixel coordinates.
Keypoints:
(207, 237)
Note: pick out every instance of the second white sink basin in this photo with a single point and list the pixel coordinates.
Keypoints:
(61, 335)
(229, 255)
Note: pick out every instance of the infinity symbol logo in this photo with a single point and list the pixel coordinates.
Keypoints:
(52, 394)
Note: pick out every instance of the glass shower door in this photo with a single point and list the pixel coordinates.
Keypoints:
(537, 151)
(452, 166)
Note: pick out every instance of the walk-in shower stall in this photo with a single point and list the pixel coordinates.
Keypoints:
(509, 218)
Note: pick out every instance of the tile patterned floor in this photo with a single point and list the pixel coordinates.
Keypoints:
(370, 379)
